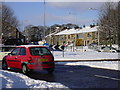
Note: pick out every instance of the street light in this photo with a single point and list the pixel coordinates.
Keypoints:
(44, 20)
(74, 44)
(97, 28)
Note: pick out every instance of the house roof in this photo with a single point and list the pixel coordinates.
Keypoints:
(77, 31)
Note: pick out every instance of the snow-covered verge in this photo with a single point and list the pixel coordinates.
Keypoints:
(88, 55)
(18, 80)
(114, 65)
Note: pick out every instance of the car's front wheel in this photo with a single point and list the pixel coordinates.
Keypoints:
(4, 65)
(24, 69)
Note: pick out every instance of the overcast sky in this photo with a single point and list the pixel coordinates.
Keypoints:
(55, 12)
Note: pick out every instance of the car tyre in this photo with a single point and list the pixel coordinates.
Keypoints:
(24, 69)
(50, 70)
(4, 66)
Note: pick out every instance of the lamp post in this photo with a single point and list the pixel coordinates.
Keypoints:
(98, 36)
(75, 37)
(44, 20)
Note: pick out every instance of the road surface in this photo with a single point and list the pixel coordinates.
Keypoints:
(80, 77)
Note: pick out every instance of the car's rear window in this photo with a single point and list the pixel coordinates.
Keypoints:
(36, 51)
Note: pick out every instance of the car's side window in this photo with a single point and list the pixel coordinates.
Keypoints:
(15, 51)
(22, 51)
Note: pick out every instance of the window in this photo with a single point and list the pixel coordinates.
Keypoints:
(15, 51)
(68, 36)
(22, 51)
(39, 51)
(88, 35)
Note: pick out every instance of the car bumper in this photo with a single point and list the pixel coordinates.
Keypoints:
(42, 65)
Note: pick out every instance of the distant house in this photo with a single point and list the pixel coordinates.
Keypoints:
(12, 33)
(84, 36)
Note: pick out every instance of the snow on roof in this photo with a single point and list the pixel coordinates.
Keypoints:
(50, 34)
(73, 31)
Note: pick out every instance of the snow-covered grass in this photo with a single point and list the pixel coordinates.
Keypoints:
(18, 80)
(87, 55)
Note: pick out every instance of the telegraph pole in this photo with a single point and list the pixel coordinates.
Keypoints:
(44, 20)
(97, 29)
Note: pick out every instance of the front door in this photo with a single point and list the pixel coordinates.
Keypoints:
(12, 59)
(21, 57)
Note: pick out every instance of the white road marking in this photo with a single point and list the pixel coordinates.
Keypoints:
(107, 77)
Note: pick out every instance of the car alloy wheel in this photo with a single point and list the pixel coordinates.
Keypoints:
(24, 69)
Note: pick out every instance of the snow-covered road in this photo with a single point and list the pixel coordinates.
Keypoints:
(18, 80)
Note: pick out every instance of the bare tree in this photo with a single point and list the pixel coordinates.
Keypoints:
(34, 33)
(108, 24)
(9, 21)
(118, 22)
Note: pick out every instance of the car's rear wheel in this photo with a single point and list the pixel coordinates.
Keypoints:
(4, 65)
(24, 69)
(50, 70)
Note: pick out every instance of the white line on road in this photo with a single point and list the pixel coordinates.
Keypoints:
(107, 77)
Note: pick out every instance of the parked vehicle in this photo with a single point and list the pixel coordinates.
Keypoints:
(28, 58)
(107, 49)
(5, 50)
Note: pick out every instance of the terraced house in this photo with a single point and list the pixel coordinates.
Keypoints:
(78, 37)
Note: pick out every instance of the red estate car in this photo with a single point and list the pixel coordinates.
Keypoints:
(29, 57)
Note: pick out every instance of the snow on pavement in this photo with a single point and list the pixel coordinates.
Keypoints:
(18, 80)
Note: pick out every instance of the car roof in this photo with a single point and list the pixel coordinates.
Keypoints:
(31, 46)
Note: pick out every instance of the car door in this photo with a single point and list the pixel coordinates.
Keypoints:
(21, 57)
(11, 59)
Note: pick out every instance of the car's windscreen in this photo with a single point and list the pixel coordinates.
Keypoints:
(36, 51)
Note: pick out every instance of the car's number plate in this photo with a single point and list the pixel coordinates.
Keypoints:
(42, 59)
